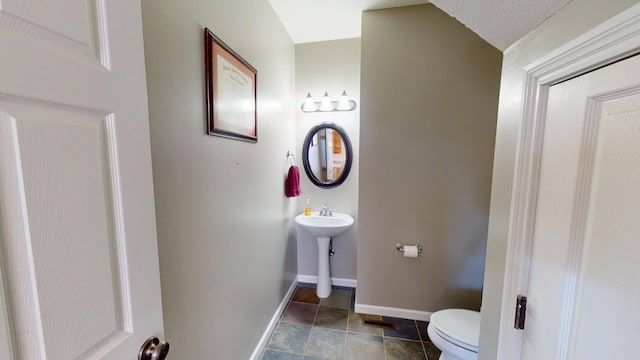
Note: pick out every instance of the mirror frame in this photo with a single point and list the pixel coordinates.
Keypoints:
(305, 155)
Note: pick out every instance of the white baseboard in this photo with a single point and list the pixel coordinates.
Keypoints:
(393, 312)
(334, 281)
(273, 323)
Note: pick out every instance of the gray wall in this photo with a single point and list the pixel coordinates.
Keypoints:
(429, 103)
(574, 19)
(331, 66)
(226, 240)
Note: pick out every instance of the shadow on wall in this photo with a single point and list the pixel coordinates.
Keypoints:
(291, 250)
(462, 298)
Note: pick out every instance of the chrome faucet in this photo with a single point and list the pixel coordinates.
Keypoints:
(325, 211)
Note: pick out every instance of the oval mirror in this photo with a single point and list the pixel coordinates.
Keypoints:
(327, 155)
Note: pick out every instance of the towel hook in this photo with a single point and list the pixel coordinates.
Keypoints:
(293, 161)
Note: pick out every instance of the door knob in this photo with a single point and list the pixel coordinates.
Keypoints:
(152, 349)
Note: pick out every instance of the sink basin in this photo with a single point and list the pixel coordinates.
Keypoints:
(324, 226)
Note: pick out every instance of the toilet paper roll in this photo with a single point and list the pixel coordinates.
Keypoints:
(410, 251)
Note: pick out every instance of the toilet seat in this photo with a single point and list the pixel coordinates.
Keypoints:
(458, 326)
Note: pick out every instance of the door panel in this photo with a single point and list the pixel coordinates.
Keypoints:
(78, 250)
(584, 274)
(73, 26)
(72, 227)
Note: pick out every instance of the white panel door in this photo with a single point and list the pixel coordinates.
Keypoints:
(584, 287)
(78, 251)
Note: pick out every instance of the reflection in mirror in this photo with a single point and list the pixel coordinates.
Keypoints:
(327, 155)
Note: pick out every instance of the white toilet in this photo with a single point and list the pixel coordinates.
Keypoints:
(455, 332)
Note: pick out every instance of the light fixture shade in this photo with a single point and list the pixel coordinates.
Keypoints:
(343, 103)
(309, 105)
(326, 105)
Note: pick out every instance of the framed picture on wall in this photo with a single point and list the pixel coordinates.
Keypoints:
(230, 91)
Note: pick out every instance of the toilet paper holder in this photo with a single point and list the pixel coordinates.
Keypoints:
(400, 247)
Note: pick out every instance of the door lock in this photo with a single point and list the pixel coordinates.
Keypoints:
(521, 310)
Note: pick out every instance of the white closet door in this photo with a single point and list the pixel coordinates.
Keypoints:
(584, 285)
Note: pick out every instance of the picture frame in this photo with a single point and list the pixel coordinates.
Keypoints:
(231, 98)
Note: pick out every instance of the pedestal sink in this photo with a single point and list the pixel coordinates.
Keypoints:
(323, 228)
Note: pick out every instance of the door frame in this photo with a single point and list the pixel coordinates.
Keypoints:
(613, 40)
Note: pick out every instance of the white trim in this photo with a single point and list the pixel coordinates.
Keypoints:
(393, 312)
(273, 323)
(310, 279)
(614, 39)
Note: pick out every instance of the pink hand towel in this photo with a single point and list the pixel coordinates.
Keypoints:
(292, 184)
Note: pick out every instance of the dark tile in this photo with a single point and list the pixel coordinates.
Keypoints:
(300, 313)
(326, 343)
(422, 330)
(332, 318)
(433, 353)
(308, 285)
(364, 347)
(405, 329)
(356, 324)
(295, 339)
(398, 349)
(290, 338)
(336, 287)
(306, 295)
(338, 298)
(278, 355)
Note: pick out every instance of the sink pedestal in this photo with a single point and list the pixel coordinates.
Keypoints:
(323, 289)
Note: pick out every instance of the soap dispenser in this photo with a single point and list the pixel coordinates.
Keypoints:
(307, 210)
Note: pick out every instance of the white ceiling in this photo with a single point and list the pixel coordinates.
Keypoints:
(499, 22)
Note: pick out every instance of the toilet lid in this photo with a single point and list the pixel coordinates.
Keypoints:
(459, 326)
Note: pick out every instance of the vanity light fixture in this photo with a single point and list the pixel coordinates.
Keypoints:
(309, 105)
(326, 104)
(343, 103)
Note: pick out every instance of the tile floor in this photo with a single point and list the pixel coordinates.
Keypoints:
(321, 329)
